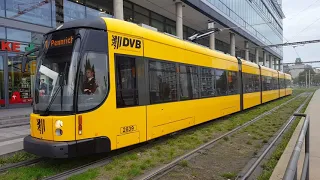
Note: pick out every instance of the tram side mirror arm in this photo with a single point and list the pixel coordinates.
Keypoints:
(25, 58)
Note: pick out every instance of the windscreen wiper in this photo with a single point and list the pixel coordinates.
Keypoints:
(46, 112)
(60, 88)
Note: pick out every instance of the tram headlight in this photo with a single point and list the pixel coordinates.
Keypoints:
(59, 124)
(59, 132)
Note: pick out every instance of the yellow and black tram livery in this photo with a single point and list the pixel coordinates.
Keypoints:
(103, 84)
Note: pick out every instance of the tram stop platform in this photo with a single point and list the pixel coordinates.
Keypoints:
(15, 113)
(11, 139)
(14, 126)
(313, 110)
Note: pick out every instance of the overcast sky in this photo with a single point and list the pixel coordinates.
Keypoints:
(296, 21)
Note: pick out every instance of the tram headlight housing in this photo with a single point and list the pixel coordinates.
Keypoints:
(59, 124)
(59, 132)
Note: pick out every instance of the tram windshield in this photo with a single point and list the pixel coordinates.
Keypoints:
(62, 71)
(56, 72)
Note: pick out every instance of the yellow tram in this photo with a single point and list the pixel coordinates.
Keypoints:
(103, 84)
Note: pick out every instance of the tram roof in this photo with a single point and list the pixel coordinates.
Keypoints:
(93, 23)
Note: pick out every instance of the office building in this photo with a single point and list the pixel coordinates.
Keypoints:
(245, 26)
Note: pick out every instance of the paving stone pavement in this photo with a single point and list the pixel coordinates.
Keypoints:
(11, 139)
(4, 113)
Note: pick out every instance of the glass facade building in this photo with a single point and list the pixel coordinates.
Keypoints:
(260, 18)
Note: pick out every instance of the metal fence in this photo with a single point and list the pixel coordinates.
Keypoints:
(304, 136)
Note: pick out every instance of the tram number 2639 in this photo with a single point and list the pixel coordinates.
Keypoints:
(128, 129)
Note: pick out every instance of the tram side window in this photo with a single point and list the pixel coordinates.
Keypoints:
(273, 83)
(207, 82)
(257, 83)
(276, 83)
(93, 84)
(267, 84)
(282, 83)
(233, 82)
(221, 82)
(251, 83)
(126, 82)
(288, 83)
(188, 82)
(248, 83)
(162, 82)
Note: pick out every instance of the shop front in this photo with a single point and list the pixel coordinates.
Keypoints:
(16, 87)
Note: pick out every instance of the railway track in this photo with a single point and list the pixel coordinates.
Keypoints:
(249, 171)
(20, 164)
(107, 160)
(157, 173)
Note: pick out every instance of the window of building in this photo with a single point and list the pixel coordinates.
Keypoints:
(18, 35)
(162, 82)
(40, 15)
(141, 10)
(73, 11)
(141, 15)
(233, 82)
(2, 10)
(170, 27)
(188, 82)
(19, 84)
(141, 19)
(207, 82)
(93, 85)
(128, 14)
(126, 82)
(127, 11)
(2, 33)
(221, 82)
(157, 17)
(95, 8)
(157, 24)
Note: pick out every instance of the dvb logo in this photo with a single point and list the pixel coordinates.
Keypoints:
(119, 41)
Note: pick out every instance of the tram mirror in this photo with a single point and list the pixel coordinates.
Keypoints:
(24, 61)
(25, 58)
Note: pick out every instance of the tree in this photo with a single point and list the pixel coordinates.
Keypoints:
(301, 79)
(316, 79)
(298, 61)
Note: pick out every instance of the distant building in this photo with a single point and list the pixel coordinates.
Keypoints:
(317, 71)
(297, 68)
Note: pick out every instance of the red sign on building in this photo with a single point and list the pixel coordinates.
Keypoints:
(9, 46)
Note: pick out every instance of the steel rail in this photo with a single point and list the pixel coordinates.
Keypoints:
(266, 151)
(20, 164)
(80, 169)
(172, 164)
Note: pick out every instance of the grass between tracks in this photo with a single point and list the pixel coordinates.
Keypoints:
(227, 158)
(142, 159)
(271, 163)
(16, 157)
